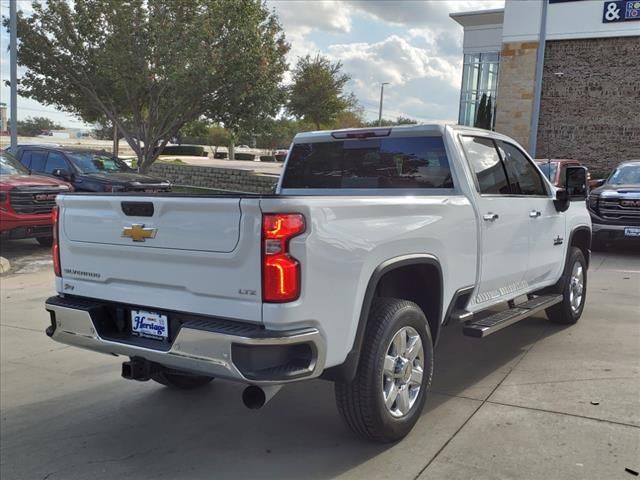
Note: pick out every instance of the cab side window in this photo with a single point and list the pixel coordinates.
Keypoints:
(523, 176)
(55, 160)
(35, 160)
(486, 165)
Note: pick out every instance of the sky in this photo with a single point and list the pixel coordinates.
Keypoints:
(412, 44)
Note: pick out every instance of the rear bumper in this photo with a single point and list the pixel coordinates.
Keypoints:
(207, 346)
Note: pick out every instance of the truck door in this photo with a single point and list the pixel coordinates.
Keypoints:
(504, 226)
(546, 224)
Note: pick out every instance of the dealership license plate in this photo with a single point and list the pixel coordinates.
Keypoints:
(632, 232)
(149, 324)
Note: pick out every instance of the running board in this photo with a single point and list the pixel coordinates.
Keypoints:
(498, 321)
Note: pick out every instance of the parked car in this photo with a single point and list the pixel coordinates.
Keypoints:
(87, 170)
(615, 206)
(26, 201)
(555, 169)
(281, 153)
(374, 241)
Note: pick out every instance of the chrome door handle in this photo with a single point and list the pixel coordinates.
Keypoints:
(534, 213)
(490, 217)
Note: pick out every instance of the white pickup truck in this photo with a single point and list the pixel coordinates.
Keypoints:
(374, 241)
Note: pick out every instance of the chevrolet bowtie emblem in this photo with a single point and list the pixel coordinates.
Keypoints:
(138, 233)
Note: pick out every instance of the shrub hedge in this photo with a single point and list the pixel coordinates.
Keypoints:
(186, 150)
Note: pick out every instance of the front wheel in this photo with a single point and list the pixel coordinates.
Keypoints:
(574, 290)
(385, 399)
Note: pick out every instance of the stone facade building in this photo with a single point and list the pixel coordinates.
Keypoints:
(589, 107)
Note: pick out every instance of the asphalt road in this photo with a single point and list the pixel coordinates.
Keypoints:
(535, 401)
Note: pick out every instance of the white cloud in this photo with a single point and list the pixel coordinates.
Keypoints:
(421, 13)
(414, 73)
(393, 59)
(304, 15)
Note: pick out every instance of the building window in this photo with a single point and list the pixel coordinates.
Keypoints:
(479, 86)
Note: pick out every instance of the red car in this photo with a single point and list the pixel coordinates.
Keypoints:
(555, 169)
(26, 201)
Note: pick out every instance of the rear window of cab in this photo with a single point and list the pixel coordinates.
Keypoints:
(378, 163)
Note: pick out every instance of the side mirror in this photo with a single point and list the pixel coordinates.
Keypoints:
(597, 183)
(575, 182)
(62, 173)
(562, 201)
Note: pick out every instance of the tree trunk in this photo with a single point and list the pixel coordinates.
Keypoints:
(232, 151)
(116, 141)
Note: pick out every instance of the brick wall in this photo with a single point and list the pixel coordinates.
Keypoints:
(515, 90)
(211, 177)
(591, 113)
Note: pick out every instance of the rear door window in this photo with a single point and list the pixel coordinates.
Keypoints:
(486, 165)
(406, 162)
(36, 158)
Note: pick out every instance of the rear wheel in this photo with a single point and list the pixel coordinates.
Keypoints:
(45, 241)
(180, 380)
(574, 290)
(385, 399)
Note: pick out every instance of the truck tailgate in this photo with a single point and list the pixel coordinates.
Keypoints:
(191, 254)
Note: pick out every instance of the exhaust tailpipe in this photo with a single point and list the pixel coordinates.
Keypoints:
(255, 397)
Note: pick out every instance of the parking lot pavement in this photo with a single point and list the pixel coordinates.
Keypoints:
(534, 401)
(26, 256)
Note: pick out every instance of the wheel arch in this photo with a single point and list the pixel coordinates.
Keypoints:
(403, 277)
(581, 237)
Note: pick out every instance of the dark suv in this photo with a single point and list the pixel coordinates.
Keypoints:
(615, 205)
(87, 170)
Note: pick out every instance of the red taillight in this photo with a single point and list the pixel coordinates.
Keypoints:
(280, 271)
(55, 247)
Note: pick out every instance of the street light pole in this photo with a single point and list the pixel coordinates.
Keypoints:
(381, 98)
(13, 67)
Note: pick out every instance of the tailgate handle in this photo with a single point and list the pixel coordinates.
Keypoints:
(137, 209)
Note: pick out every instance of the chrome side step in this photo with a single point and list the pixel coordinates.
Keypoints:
(496, 322)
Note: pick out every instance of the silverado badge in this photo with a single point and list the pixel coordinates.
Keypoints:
(138, 233)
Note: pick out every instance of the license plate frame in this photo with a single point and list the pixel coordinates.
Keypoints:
(148, 324)
(632, 231)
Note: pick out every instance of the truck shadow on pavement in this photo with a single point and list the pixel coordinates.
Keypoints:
(119, 429)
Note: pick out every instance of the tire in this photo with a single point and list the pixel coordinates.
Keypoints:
(573, 291)
(45, 241)
(362, 402)
(180, 381)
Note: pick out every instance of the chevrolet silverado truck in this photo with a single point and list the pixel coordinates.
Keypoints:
(373, 242)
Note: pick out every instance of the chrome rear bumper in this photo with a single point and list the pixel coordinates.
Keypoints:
(197, 347)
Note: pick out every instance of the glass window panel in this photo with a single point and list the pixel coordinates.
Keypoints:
(486, 165)
(411, 162)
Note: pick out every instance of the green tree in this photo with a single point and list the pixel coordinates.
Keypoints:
(279, 133)
(31, 127)
(196, 128)
(148, 67)
(317, 93)
(392, 123)
(251, 93)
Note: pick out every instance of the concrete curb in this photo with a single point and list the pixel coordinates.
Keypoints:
(5, 266)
